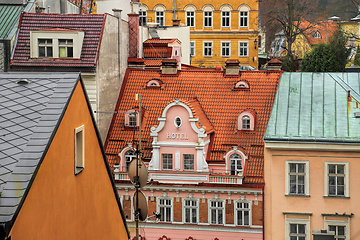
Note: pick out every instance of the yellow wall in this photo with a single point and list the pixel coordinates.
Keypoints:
(216, 33)
(61, 205)
(276, 202)
(301, 46)
(351, 29)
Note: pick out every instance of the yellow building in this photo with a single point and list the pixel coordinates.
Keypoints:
(218, 30)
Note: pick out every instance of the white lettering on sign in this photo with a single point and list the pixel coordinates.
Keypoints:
(177, 136)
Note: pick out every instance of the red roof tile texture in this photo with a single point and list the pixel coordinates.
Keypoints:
(91, 24)
(216, 103)
(317, 33)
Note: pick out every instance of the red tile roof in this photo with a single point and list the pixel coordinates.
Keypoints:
(91, 24)
(160, 41)
(212, 97)
(324, 28)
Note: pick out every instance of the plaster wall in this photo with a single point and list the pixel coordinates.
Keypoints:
(110, 71)
(62, 205)
(107, 6)
(276, 202)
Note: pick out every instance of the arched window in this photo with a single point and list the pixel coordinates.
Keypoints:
(246, 121)
(132, 118)
(244, 16)
(153, 83)
(208, 15)
(235, 164)
(225, 15)
(190, 15)
(242, 85)
(129, 155)
(160, 14)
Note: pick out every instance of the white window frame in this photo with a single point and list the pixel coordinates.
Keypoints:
(236, 169)
(162, 161)
(191, 207)
(204, 49)
(305, 221)
(346, 179)
(236, 209)
(224, 18)
(287, 177)
(242, 47)
(142, 18)
(190, 20)
(245, 18)
(171, 207)
(217, 208)
(344, 223)
(79, 146)
(207, 19)
(130, 156)
(76, 36)
(192, 48)
(222, 47)
(193, 162)
(228, 163)
(160, 18)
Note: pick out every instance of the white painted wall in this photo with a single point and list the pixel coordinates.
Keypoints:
(107, 6)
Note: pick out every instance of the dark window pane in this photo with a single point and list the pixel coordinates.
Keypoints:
(69, 52)
(340, 169)
(49, 52)
(301, 228)
(41, 51)
(301, 168)
(293, 228)
(331, 168)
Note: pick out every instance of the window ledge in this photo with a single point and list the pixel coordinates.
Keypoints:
(78, 170)
(297, 195)
(337, 197)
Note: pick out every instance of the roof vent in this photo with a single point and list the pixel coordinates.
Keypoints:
(23, 81)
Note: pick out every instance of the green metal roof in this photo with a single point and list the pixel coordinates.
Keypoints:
(9, 18)
(314, 107)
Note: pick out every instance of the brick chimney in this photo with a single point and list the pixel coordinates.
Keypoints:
(176, 22)
(169, 66)
(232, 67)
(274, 64)
(133, 35)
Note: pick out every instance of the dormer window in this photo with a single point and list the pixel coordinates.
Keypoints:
(246, 121)
(316, 34)
(132, 118)
(154, 83)
(235, 164)
(56, 43)
(177, 122)
(241, 85)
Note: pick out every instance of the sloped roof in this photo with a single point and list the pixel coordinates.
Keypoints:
(32, 106)
(215, 101)
(9, 18)
(325, 28)
(314, 107)
(160, 41)
(91, 24)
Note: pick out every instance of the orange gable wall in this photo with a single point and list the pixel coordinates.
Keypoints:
(61, 205)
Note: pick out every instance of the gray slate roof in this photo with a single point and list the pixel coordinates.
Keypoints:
(29, 114)
(314, 107)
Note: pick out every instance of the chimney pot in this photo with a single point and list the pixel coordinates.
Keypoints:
(169, 66)
(232, 67)
(117, 12)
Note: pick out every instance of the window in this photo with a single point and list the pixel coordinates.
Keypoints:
(142, 18)
(225, 49)
(245, 121)
(207, 49)
(207, 19)
(160, 18)
(297, 228)
(56, 44)
(79, 149)
(243, 18)
(297, 178)
(167, 161)
(65, 48)
(177, 122)
(242, 85)
(336, 182)
(188, 161)
(259, 42)
(243, 213)
(190, 208)
(316, 34)
(132, 120)
(165, 209)
(190, 19)
(341, 227)
(192, 48)
(339, 232)
(45, 47)
(216, 212)
(129, 156)
(225, 19)
(351, 42)
(235, 164)
(243, 49)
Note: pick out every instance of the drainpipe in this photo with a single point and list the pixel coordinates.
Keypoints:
(174, 9)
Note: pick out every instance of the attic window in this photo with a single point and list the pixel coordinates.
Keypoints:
(316, 34)
(242, 85)
(246, 121)
(154, 83)
(79, 149)
(132, 118)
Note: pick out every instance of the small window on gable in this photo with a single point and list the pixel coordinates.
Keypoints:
(79, 149)
(177, 122)
(246, 121)
(154, 83)
(132, 118)
(241, 85)
(316, 34)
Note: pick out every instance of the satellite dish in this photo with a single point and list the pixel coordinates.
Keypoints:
(142, 172)
(143, 208)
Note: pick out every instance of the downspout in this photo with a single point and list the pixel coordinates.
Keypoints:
(174, 9)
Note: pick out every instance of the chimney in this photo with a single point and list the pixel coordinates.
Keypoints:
(136, 63)
(232, 67)
(133, 35)
(176, 22)
(274, 64)
(169, 66)
(117, 13)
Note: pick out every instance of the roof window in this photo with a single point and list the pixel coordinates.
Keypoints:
(246, 121)
(154, 83)
(241, 85)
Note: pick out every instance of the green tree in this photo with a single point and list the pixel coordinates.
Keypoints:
(357, 57)
(331, 57)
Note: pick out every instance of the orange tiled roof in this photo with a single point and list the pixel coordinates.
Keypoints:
(156, 52)
(160, 40)
(216, 103)
(323, 28)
